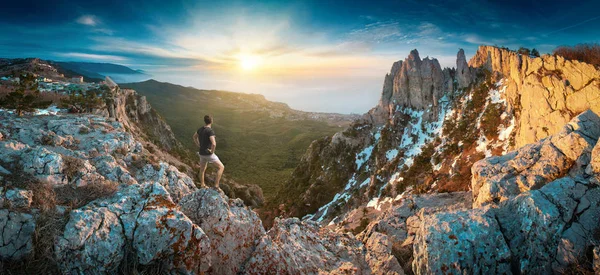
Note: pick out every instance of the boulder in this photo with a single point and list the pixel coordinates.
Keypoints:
(400, 222)
(232, 228)
(176, 183)
(17, 232)
(44, 164)
(593, 167)
(463, 242)
(140, 218)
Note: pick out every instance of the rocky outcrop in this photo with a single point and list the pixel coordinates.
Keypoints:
(499, 178)
(232, 228)
(142, 218)
(17, 232)
(295, 247)
(400, 222)
(464, 74)
(413, 83)
(136, 113)
(547, 216)
(548, 91)
(177, 184)
(467, 242)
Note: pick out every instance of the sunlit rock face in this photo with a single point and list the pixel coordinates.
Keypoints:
(548, 90)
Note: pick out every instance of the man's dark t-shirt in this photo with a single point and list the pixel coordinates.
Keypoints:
(204, 135)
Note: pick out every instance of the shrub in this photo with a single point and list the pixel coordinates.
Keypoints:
(588, 53)
(490, 120)
(523, 51)
(535, 52)
(72, 166)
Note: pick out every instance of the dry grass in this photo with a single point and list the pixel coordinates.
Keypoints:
(49, 225)
(72, 167)
(76, 197)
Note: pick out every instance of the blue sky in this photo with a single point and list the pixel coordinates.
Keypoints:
(313, 55)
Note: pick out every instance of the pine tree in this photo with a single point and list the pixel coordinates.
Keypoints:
(535, 52)
(22, 101)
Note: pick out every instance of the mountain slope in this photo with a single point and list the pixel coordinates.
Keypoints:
(259, 141)
(431, 125)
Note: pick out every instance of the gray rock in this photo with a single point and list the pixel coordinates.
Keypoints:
(177, 184)
(463, 242)
(44, 164)
(401, 221)
(295, 247)
(464, 76)
(18, 198)
(142, 217)
(17, 231)
(232, 228)
(496, 179)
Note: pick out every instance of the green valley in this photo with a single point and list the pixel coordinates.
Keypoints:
(259, 141)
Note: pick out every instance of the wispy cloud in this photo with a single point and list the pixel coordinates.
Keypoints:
(98, 57)
(89, 20)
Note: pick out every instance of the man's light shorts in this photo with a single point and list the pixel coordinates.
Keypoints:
(209, 159)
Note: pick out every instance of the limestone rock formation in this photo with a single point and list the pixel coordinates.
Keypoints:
(548, 90)
(295, 247)
(232, 228)
(461, 242)
(400, 222)
(547, 216)
(17, 232)
(464, 74)
(499, 178)
(178, 184)
(142, 218)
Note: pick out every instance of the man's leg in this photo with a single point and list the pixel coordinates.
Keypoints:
(220, 168)
(203, 165)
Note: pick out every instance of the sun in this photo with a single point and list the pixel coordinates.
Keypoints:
(249, 62)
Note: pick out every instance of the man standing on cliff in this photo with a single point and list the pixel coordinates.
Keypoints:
(205, 139)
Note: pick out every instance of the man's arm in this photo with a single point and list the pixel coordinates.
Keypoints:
(213, 142)
(195, 137)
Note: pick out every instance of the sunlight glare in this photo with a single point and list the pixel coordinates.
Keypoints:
(249, 62)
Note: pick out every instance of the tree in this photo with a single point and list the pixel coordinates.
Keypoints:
(535, 52)
(523, 51)
(81, 102)
(22, 101)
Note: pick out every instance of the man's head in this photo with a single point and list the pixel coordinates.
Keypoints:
(208, 119)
